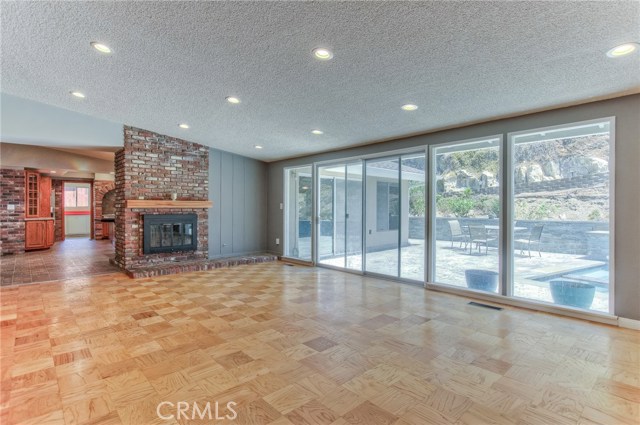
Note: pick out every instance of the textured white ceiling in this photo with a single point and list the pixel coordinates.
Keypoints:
(176, 61)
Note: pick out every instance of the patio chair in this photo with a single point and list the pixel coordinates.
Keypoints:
(534, 238)
(478, 235)
(457, 234)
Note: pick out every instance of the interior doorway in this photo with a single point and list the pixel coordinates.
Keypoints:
(77, 210)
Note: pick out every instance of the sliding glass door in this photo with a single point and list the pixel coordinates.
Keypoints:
(395, 216)
(298, 212)
(339, 224)
(529, 219)
(383, 216)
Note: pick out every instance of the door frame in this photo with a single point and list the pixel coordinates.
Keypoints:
(91, 206)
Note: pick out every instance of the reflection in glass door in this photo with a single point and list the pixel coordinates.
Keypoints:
(383, 216)
(298, 212)
(395, 216)
(413, 195)
(339, 224)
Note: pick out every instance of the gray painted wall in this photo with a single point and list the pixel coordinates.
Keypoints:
(627, 163)
(237, 220)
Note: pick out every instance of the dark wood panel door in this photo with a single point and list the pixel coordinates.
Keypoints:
(35, 234)
(50, 233)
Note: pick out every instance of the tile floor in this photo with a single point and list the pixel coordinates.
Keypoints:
(298, 345)
(70, 258)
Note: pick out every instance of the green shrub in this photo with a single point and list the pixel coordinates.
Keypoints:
(595, 215)
(489, 205)
(537, 211)
(459, 204)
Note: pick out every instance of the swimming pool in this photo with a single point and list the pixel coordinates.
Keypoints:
(598, 275)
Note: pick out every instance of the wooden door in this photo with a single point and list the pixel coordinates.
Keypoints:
(44, 196)
(50, 233)
(35, 234)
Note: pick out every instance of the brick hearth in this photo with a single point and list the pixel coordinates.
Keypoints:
(168, 268)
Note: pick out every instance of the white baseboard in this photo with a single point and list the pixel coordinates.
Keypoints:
(629, 323)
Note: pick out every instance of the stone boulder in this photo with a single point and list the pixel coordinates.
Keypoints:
(574, 166)
(551, 170)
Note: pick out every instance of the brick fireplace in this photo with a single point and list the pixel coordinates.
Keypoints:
(151, 167)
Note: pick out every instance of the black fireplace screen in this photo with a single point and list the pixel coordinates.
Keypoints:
(170, 233)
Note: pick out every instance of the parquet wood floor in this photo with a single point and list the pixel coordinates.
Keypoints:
(298, 345)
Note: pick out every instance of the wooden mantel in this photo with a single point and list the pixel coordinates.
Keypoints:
(164, 203)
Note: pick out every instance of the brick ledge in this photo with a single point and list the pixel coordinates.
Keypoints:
(194, 266)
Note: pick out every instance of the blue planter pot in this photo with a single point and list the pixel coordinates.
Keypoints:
(482, 280)
(575, 294)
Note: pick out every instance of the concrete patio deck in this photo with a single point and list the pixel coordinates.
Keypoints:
(452, 262)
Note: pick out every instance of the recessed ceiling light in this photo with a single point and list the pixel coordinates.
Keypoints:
(322, 53)
(317, 132)
(77, 94)
(183, 125)
(409, 107)
(257, 146)
(53, 171)
(102, 48)
(622, 50)
(232, 99)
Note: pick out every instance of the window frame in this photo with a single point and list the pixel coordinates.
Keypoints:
(510, 210)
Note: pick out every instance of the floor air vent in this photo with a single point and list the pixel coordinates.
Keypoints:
(492, 307)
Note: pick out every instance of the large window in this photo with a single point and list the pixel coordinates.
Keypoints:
(298, 212)
(76, 196)
(561, 208)
(467, 214)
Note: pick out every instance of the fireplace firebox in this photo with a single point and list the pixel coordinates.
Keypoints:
(170, 233)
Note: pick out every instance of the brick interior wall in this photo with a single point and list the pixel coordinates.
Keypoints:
(152, 166)
(12, 222)
(100, 188)
(57, 186)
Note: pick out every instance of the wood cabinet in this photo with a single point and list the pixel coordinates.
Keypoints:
(44, 197)
(31, 197)
(39, 226)
(35, 234)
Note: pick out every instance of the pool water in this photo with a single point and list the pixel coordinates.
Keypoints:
(597, 275)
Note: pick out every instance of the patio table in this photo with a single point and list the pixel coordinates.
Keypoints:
(494, 227)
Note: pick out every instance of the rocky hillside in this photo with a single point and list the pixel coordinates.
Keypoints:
(467, 179)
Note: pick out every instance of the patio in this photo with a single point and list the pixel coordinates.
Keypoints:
(531, 273)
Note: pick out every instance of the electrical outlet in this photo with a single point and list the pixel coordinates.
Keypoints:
(281, 206)
(11, 207)
(277, 241)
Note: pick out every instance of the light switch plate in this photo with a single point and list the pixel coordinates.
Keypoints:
(11, 207)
